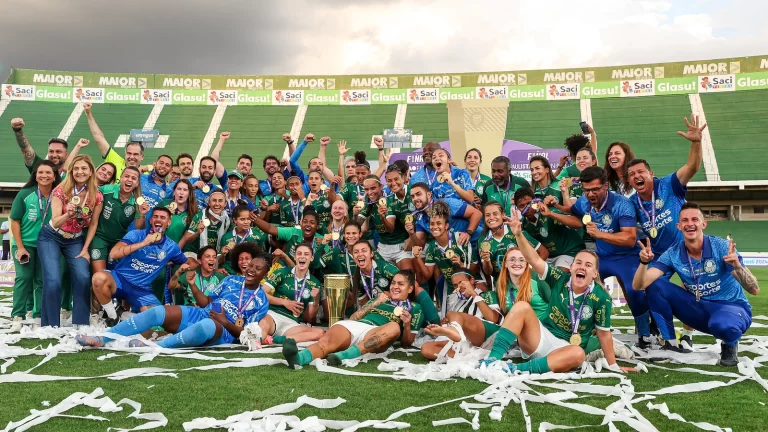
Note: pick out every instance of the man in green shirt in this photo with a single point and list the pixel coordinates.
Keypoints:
(503, 184)
(134, 151)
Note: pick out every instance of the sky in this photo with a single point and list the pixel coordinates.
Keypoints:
(302, 37)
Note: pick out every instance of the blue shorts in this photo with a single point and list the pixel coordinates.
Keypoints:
(136, 297)
(191, 315)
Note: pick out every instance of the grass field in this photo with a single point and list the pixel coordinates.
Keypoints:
(221, 393)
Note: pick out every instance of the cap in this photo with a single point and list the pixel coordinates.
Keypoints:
(236, 173)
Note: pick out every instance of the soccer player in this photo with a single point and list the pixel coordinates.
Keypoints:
(306, 232)
(143, 254)
(134, 151)
(236, 302)
(578, 306)
(452, 182)
(377, 215)
(465, 219)
(241, 233)
(234, 196)
(291, 209)
(271, 165)
(399, 209)
(57, 149)
(712, 300)
(294, 298)
(200, 233)
(372, 276)
(391, 316)
(569, 164)
(320, 197)
(472, 160)
(203, 186)
(153, 185)
(206, 277)
(502, 186)
(617, 157)
(545, 186)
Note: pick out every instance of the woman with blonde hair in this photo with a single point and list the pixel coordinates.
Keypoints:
(76, 205)
(515, 285)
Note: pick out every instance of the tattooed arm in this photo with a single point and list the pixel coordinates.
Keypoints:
(746, 279)
(367, 308)
(26, 149)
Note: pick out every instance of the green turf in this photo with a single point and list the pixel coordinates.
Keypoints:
(220, 393)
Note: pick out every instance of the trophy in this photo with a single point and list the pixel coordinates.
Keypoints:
(336, 287)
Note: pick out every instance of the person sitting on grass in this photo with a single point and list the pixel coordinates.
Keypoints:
(393, 315)
(236, 302)
(578, 305)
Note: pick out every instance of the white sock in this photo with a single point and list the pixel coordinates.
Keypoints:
(673, 342)
(109, 308)
(687, 332)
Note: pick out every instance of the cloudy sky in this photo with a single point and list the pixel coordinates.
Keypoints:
(387, 36)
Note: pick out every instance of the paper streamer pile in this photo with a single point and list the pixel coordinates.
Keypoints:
(563, 390)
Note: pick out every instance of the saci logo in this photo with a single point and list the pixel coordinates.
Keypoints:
(355, 97)
(222, 97)
(423, 96)
(155, 96)
(716, 83)
(492, 92)
(562, 91)
(638, 88)
(287, 97)
(19, 92)
(92, 95)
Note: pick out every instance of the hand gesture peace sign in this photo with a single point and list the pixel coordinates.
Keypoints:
(732, 258)
(646, 254)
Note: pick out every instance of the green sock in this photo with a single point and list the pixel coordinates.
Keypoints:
(278, 339)
(305, 357)
(431, 315)
(349, 353)
(504, 340)
(535, 366)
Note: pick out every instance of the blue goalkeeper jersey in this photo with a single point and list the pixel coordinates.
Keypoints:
(253, 306)
(144, 265)
(616, 214)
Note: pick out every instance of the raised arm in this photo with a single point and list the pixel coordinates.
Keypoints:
(327, 173)
(223, 137)
(26, 149)
(98, 135)
(592, 139)
(530, 254)
(75, 151)
(383, 157)
(342, 151)
(691, 167)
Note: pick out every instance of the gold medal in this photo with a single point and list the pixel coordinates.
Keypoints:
(485, 246)
(586, 219)
(240, 322)
(206, 222)
(323, 187)
(360, 205)
(449, 254)
(567, 182)
(382, 202)
(158, 236)
(75, 200)
(575, 339)
(409, 219)
(328, 238)
(335, 235)
(653, 232)
(535, 206)
(442, 178)
(398, 311)
(172, 206)
(140, 200)
(231, 244)
(206, 189)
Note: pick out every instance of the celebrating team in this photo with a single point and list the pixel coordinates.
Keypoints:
(495, 261)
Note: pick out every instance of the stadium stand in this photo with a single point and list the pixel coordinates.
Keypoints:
(545, 124)
(738, 129)
(114, 120)
(185, 126)
(430, 121)
(356, 125)
(649, 125)
(255, 131)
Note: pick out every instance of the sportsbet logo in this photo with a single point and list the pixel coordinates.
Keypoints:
(155, 96)
(716, 83)
(19, 92)
(92, 95)
(562, 91)
(423, 96)
(222, 97)
(638, 88)
(355, 97)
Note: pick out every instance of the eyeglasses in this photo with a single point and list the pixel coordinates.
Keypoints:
(593, 190)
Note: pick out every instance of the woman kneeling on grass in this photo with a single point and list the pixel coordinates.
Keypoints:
(393, 315)
(236, 302)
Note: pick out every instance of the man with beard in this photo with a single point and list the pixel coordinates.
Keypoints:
(427, 174)
(142, 255)
(502, 186)
(153, 185)
(203, 186)
(186, 164)
(465, 219)
(57, 148)
(271, 165)
(134, 151)
(205, 278)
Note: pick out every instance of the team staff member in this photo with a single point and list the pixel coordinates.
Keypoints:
(186, 164)
(236, 302)
(203, 185)
(391, 316)
(502, 186)
(75, 206)
(143, 254)
(30, 210)
(464, 220)
(206, 278)
(294, 298)
(57, 149)
(134, 151)
(153, 185)
(714, 278)
(119, 211)
(578, 306)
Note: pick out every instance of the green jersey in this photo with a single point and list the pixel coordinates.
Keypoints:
(290, 213)
(435, 255)
(116, 216)
(551, 189)
(231, 238)
(385, 314)
(370, 285)
(32, 212)
(540, 297)
(569, 171)
(204, 284)
(556, 237)
(338, 261)
(275, 218)
(212, 231)
(294, 237)
(504, 195)
(371, 212)
(500, 246)
(351, 193)
(596, 313)
(323, 208)
(178, 225)
(284, 285)
(479, 183)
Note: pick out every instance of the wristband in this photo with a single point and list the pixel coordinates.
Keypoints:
(644, 262)
(478, 299)
(470, 232)
(381, 149)
(16, 129)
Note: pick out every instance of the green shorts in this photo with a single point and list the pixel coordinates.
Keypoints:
(490, 329)
(99, 249)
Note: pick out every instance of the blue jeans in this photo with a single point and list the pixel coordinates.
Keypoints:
(50, 248)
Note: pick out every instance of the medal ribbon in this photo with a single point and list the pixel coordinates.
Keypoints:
(406, 304)
(76, 192)
(40, 204)
(295, 211)
(430, 180)
(240, 306)
(231, 204)
(238, 239)
(693, 276)
(575, 319)
(297, 294)
(366, 288)
(651, 217)
(505, 196)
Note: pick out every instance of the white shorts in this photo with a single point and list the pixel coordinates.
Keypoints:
(282, 323)
(547, 343)
(394, 253)
(357, 329)
(563, 261)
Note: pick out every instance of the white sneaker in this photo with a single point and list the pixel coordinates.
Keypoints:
(16, 326)
(65, 315)
(29, 315)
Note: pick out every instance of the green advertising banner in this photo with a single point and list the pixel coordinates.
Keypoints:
(190, 97)
(528, 93)
(447, 94)
(385, 96)
(670, 86)
(752, 81)
(600, 90)
(254, 97)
